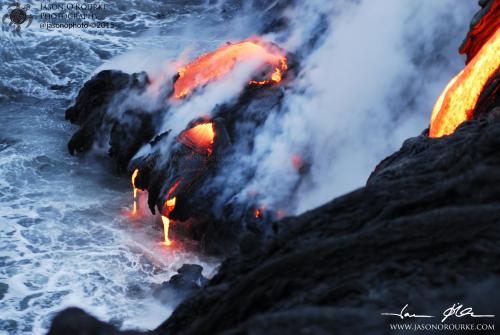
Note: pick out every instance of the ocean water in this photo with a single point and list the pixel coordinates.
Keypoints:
(65, 236)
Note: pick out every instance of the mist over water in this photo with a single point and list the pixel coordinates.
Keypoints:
(369, 82)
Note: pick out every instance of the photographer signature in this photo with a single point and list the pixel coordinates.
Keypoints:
(456, 310)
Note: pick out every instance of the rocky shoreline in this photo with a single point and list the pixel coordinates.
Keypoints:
(423, 230)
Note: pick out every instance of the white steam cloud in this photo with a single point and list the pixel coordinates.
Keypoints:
(369, 83)
(369, 86)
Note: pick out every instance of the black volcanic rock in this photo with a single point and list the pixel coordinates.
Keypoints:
(186, 282)
(74, 321)
(424, 231)
(489, 98)
(169, 167)
(126, 132)
(97, 93)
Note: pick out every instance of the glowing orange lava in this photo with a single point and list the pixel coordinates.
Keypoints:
(216, 64)
(199, 138)
(481, 31)
(166, 227)
(134, 175)
(457, 102)
(168, 207)
(275, 77)
(258, 213)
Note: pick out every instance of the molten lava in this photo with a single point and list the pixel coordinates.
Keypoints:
(481, 30)
(217, 64)
(168, 207)
(134, 175)
(457, 102)
(275, 77)
(200, 138)
(166, 227)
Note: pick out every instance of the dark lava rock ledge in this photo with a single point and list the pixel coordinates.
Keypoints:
(424, 231)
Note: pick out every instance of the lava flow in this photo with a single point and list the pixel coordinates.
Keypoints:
(168, 207)
(481, 30)
(457, 102)
(200, 138)
(220, 62)
(134, 175)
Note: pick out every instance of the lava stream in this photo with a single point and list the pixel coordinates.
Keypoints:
(168, 207)
(216, 64)
(166, 227)
(134, 176)
(457, 102)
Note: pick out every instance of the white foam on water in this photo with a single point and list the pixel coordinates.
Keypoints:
(65, 238)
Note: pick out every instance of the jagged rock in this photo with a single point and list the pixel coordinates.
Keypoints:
(483, 25)
(126, 132)
(489, 98)
(74, 321)
(180, 174)
(168, 167)
(185, 167)
(186, 282)
(194, 209)
(424, 231)
(158, 174)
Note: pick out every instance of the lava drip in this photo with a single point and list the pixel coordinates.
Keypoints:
(134, 176)
(217, 64)
(199, 139)
(168, 207)
(457, 102)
